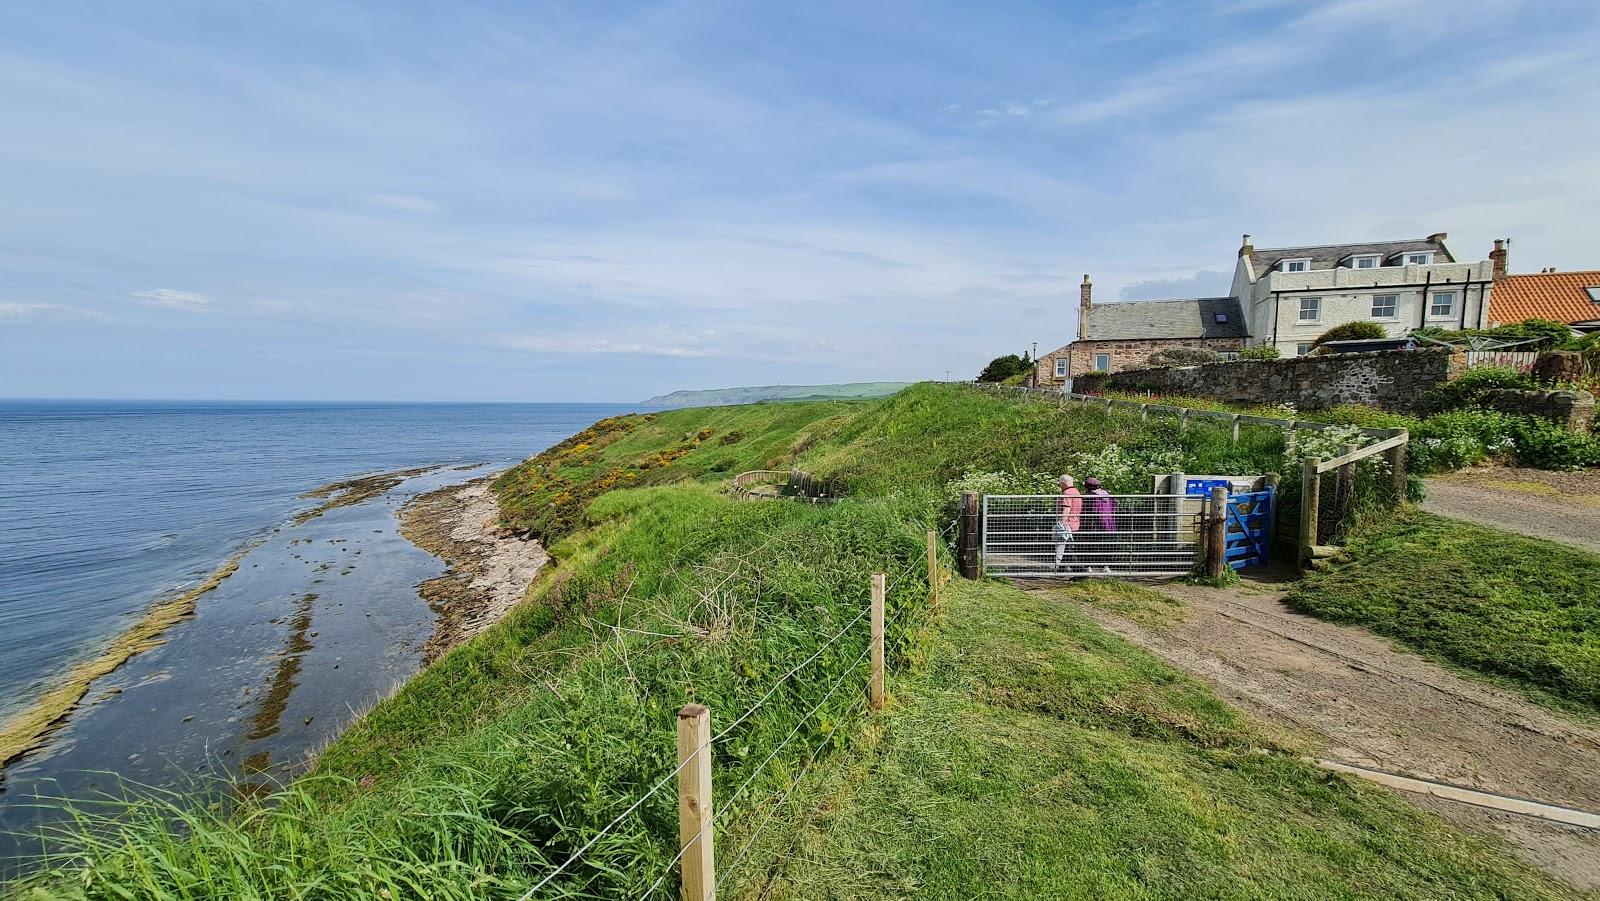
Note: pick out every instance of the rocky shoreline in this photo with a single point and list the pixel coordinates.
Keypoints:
(489, 567)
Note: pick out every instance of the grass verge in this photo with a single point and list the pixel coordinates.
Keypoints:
(1521, 610)
(1037, 756)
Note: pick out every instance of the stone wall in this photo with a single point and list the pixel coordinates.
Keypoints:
(1124, 354)
(1394, 380)
(1573, 409)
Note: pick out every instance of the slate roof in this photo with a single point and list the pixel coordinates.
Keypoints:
(1191, 317)
(1329, 256)
(1546, 295)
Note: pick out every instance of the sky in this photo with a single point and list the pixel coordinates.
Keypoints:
(526, 201)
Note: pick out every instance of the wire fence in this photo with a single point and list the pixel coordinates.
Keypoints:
(687, 843)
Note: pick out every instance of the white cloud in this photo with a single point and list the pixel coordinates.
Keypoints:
(405, 203)
(174, 300)
(16, 312)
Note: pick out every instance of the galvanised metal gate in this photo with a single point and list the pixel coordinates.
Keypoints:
(1126, 535)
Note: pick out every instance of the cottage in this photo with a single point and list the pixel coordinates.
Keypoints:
(1123, 335)
(1291, 295)
(1569, 297)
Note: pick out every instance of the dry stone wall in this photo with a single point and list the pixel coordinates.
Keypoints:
(1573, 409)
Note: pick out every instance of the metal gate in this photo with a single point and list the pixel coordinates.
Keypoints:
(1250, 526)
(1135, 535)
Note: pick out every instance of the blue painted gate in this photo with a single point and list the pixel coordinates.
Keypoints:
(1250, 524)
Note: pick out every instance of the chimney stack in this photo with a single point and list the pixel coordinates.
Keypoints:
(1501, 257)
(1084, 302)
(1245, 247)
(1438, 237)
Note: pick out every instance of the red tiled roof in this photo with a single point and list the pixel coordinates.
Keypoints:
(1546, 295)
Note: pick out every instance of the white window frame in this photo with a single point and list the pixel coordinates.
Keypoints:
(1411, 258)
(1374, 261)
(1098, 367)
(1301, 317)
(1283, 265)
(1450, 311)
(1061, 367)
(1394, 307)
(1594, 292)
(1302, 349)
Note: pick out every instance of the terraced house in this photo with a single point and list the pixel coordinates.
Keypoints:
(1287, 297)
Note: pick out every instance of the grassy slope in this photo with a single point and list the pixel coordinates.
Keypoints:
(1522, 610)
(1035, 756)
(501, 759)
(720, 396)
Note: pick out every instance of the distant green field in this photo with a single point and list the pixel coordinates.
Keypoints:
(722, 397)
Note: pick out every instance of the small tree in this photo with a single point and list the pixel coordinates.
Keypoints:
(1002, 368)
(1360, 330)
(1259, 352)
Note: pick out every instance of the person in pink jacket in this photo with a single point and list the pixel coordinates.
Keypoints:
(1069, 512)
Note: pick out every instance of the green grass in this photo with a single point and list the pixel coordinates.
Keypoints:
(1035, 756)
(1519, 609)
(495, 764)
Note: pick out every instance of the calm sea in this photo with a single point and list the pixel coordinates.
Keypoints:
(106, 507)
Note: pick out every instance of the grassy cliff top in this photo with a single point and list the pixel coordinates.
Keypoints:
(717, 397)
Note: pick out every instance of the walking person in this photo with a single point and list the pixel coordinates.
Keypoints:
(1069, 511)
(1100, 526)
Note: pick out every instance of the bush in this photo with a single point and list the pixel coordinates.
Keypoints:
(1260, 352)
(1360, 330)
(1181, 356)
(1461, 438)
(1363, 416)
(1467, 390)
(1549, 445)
(1002, 368)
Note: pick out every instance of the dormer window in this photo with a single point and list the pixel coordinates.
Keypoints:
(1366, 261)
(1422, 258)
(1302, 265)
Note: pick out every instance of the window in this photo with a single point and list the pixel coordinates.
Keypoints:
(1223, 317)
(1102, 362)
(1383, 305)
(1441, 304)
(1310, 309)
(1370, 261)
(1296, 265)
(1419, 259)
(1594, 293)
(1302, 349)
(1061, 367)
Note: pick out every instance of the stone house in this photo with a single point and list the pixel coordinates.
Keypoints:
(1113, 337)
(1291, 295)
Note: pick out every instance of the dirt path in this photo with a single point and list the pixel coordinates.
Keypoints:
(1558, 506)
(1365, 703)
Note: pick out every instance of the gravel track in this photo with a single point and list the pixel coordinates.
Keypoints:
(1556, 506)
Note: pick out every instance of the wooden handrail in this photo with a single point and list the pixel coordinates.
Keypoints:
(1368, 451)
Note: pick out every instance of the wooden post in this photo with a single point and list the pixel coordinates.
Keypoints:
(1217, 539)
(1144, 412)
(1233, 436)
(970, 526)
(933, 569)
(1397, 467)
(1270, 482)
(698, 866)
(1345, 487)
(1183, 419)
(1310, 483)
(1288, 441)
(875, 685)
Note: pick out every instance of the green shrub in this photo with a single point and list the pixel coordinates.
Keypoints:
(1360, 330)
(1461, 438)
(1002, 368)
(1363, 416)
(1549, 445)
(1260, 352)
(1471, 386)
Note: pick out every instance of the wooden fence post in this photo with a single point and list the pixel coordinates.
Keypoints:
(875, 684)
(1144, 412)
(969, 534)
(1183, 419)
(1344, 491)
(698, 866)
(1217, 537)
(1310, 483)
(933, 569)
(1233, 436)
(1397, 467)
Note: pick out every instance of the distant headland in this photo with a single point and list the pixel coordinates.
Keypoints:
(721, 397)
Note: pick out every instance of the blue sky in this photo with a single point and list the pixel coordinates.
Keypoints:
(601, 201)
